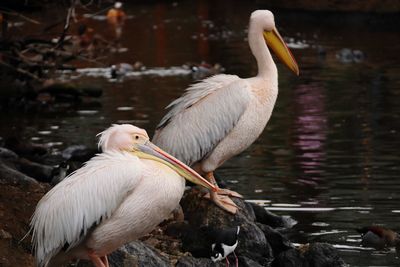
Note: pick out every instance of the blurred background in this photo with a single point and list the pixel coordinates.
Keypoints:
(329, 157)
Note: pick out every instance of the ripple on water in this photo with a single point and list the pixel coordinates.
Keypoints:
(44, 132)
(87, 112)
(320, 224)
(124, 108)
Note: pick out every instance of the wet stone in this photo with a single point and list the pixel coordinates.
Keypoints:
(188, 261)
(278, 241)
(137, 253)
(246, 262)
(134, 254)
(7, 154)
(79, 153)
(9, 175)
(266, 217)
(314, 254)
(38, 171)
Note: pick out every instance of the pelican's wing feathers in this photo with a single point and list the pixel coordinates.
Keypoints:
(91, 194)
(202, 117)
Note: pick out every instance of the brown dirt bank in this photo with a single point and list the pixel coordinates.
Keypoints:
(17, 203)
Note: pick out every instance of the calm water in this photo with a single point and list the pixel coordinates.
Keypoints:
(329, 155)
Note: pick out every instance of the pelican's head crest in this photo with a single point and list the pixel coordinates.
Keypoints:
(263, 19)
(121, 137)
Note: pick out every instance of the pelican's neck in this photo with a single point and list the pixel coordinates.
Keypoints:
(266, 65)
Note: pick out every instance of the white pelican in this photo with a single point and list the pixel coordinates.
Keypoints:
(118, 196)
(221, 116)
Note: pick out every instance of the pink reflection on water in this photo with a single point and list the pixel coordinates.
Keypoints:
(310, 127)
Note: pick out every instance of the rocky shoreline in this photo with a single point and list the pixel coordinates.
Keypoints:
(180, 243)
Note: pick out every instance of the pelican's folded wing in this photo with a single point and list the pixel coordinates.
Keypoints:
(202, 117)
(67, 212)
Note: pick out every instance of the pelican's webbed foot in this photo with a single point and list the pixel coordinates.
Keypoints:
(222, 197)
(227, 192)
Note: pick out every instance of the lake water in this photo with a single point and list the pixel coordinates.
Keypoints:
(329, 157)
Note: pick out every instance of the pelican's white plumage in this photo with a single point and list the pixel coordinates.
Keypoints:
(83, 200)
(226, 99)
(118, 196)
(221, 116)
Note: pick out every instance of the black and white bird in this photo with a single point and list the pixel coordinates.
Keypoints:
(226, 241)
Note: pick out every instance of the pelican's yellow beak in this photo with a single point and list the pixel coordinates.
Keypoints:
(151, 151)
(276, 43)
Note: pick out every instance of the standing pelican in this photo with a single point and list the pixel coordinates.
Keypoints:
(117, 197)
(221, 116)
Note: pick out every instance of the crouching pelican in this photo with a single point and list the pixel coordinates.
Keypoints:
(118, 196)
(221, 116)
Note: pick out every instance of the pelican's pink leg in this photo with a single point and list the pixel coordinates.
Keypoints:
(104, 259)
(95, 259)
(224, 202)
(224, 191)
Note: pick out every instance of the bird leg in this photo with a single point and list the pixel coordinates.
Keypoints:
(222, 201)
(104, 259)
(224, 191)
(227, 261)
(236, 260)
(97, 261)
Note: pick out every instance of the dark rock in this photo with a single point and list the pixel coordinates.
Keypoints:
(266, 217)
(32, 169)
(290, 258)
(176, 229)
(138, 254)
(323, 254)
(78, 153)
(19, 195)
(7, 154)
(246, 262)
(252, 243)
(278, 242)
(38, 171)
(314, 254)
(11, 176)
(188, 261)
(202, 216)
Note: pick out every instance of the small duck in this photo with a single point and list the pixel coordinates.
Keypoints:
(379, 237)
(226, 241)
(347, 55)
(203, 70)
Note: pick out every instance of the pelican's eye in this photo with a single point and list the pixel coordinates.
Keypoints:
(136, 137)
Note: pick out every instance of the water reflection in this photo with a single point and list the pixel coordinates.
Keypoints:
(310, 129)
